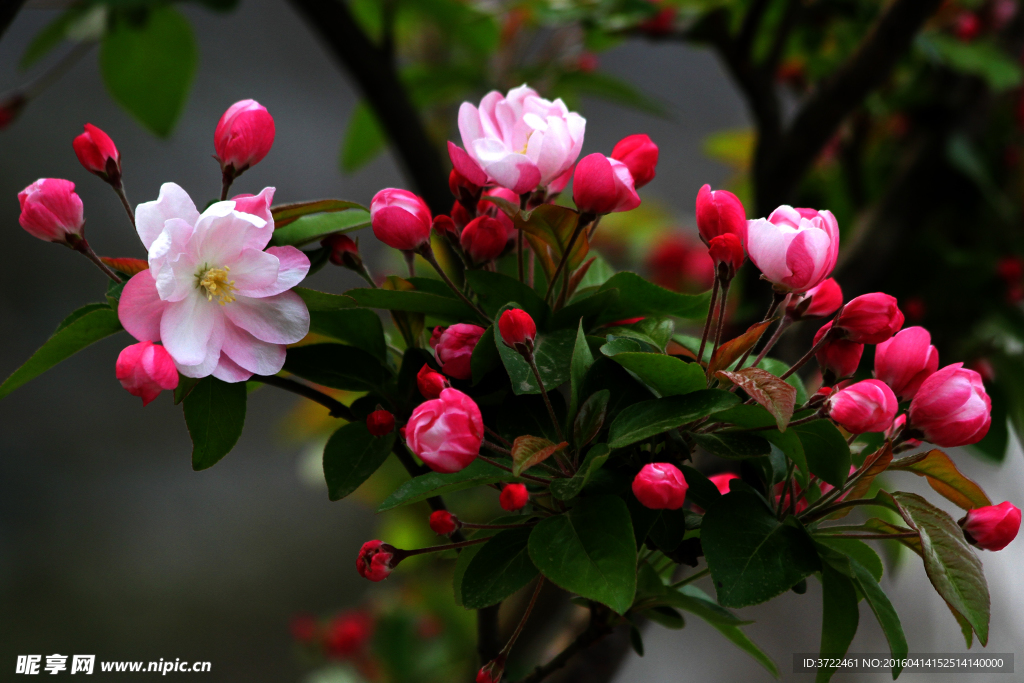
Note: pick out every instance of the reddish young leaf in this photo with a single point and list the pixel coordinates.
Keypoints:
(874, 465)
(128, 266)
(528, 451)
(777, 397)
(945, 478)
(730, 351)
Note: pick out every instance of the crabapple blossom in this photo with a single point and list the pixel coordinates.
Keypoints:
(446, 432)
(795, 249)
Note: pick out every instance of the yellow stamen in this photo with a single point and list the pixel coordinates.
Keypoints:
(215, 282)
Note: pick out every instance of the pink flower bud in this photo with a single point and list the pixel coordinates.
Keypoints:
(483, 239)
(720, 212)
(375, 560)
(97, 153)
(454, 349)
(492, 671)
(517, 328)
(870, 319)
(446, 432)
(513, 497)
(244, 135)
(444, 523)
(818, 302)
(906, 360)
(380, 422)
(602, 185)
(430, 383)
(721, 481)
(343, 250)
(795, 249)
(435, 336)
(660, 486)
(951, 407)
(444, 225)
(51, 211)
(727, 252)
(867, 406)
(491, 209)
(640, 156)
(400, 219)
(838, 357)
(145, 369)
(992, 527)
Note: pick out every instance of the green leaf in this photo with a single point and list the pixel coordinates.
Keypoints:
(981, 58)
(215, 415)
(148, 66)
(582, 360)
(945, 478)
(590, 418)
(285, 214)
(828, 454)
(648, 418)
(315, 227)
(337, 366)
(528, 451)
(548, 228)
(589, 551)
(700, 489)
(466, 556)
(839, 618)
(85, 326)
(858, 551)
(667, 375)
(485, 356)
(413, 302)
(638, 297)
(527, 414)
(496, 290)
(610, 88)
(586, 308)
(952, 566)
(359, 327)
(322, 301)
(625, 389)
(478, 473)
(364, 139)
(552, 353)
(500, 568)
(770, 392)
(884, 612)
(734, 445)
(351, 455)
(752, 555)
(56, 31)
(567, 489)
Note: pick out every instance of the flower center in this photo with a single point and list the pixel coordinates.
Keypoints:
(215, 282)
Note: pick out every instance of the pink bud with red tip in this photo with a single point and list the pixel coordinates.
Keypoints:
(454, 349)
(98, 154)
(817, 302)
(380, 423)
(52, 211)
(951, 407)
(446, 432)
(376, 560)
(517, 329)
(906, 360)
(838, 358)
(483, 239)
(601, 185)
(870, 319)
(400, 219)
(992, 527)
(660, 486)
(867, 406)
(244, 135)
(145, 369)
(640, 155)
(513, 497)
(430, 382)
(720, 212)
(727, 252)
(444, 523)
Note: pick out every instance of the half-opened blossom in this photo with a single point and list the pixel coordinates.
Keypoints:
(795, 249)
(213, 295)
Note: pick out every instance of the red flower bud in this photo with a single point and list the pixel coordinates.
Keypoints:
(343, 251)
(660, 486)
(492, 671)
(640, 156)
(838, 357)
(446, 432)
(992, 527)
(375, 560)
(720, 212)
(870, 319)
(721, 481)
(906, 360)
(444, 225)
(430, 382)
(444, 523)
(97, 153)
(951, 407)
(435, 336)
(727, 252)
(602, 185)
(483, 239)
(400, 219)
(348, 634)
(380, 422)
(817, 302)
(517, 328)
(244, 135)
(867, 406)
(514, 497)
(463, 188)
(145, 369)
(51, 210)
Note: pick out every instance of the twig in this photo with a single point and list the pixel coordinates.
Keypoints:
(597, 629)
(692, 577)
(581, 223)
(80, 245)
(428, 254)
(337, 408)
(707, 323)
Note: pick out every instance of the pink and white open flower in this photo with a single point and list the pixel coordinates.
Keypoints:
(519, 140)
(214, 296)
(795, 249)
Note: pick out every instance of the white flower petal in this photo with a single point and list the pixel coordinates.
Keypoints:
(173, 202)
(279, 319)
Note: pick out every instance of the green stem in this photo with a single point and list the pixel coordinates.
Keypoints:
(692, 577)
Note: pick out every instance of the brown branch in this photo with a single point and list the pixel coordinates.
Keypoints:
(374, 70)
(597, 628)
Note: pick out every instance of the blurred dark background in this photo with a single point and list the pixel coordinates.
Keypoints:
(111, 545)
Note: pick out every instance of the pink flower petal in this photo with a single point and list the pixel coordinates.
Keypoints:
(251, 354)
(279, 319)
(192, 329)
(141, 308)
(173, 202)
